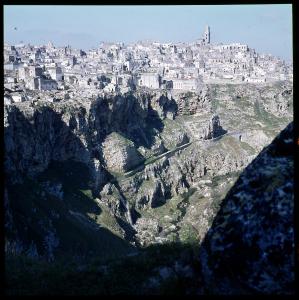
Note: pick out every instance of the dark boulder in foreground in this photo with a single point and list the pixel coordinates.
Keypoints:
(250, 246)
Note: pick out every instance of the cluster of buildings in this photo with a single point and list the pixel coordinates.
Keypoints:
(115, 67)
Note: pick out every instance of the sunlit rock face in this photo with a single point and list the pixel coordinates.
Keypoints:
(250, 246)
(120, 154)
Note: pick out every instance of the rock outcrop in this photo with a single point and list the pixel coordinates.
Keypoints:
(120, 154)
(250, 246)
(36, 135)
(193, 103)
(164, 105)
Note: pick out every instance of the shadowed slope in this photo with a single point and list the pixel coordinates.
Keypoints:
(250, 245)
(249, 248)
(52, 213)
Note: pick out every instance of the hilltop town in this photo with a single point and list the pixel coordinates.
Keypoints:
(62, 73)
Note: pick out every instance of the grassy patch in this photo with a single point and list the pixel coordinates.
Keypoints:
(170, 208)
(108, 221)
(188, 234)
(76, 219)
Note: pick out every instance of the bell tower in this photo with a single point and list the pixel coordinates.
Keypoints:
(206, 35)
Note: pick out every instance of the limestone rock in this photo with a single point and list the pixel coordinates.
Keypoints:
(120, 154)
(164, 106)
(151, 193)
(251, 240)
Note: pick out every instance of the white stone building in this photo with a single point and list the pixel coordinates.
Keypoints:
(150, 80)
(185, 84)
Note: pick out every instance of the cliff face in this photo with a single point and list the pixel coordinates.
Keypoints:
(250, 244)
(149, 167)
(35, 134)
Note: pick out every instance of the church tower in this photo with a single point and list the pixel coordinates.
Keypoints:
(206, 35)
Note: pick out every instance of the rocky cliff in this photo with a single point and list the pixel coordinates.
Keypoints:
(250, 245)
(148, 167)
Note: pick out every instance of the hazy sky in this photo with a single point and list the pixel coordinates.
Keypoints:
(267, 28)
